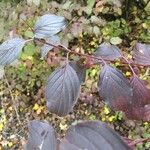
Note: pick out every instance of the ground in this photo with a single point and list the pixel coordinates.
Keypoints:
(22, 87)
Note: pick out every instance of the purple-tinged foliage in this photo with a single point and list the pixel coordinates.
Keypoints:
(142, 54)
(139, 110)
(92, 135)
(41, 136)
(108, 51)
(62, 90)
(139, 113)
(141, 94)
(89, 135)
(131, 98)
(10, 50)
(114, 88)
(49, 25)
(80, 70)
(46, 48)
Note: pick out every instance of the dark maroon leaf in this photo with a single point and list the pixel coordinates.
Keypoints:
(114, 88)
(80, 70)
(142, 54)
(92, 135)
(146, 111)
(141, 94)
(108, 51)
(41, 136)
(62, 90)
(139, 113)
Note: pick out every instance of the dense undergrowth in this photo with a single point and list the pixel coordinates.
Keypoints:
(89, 24)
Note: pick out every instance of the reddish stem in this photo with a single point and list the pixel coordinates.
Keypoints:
(129, 65)
(138, 141)
(104, 60)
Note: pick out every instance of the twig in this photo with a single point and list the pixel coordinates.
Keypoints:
(13, 99)
(130, 64)
(146, 73)
(138, 141)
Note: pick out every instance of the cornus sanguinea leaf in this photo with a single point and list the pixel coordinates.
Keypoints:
(80, 70)
(142, 54)
(141, 94)
(55, 40)
(114, 88)
(62, 90)
(86, 135)
(139, 113)
(49, 25)
(10, 50)
(92, 135)
(108, 51)
(41, 136)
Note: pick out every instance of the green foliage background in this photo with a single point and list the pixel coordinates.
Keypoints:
(96, 23)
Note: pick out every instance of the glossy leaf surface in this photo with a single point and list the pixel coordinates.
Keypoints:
(114, 88)
(41, 136)
(62, 90)
(108, 51)
(142, 54)
(49, 25)
(10, 50)
(92, 135)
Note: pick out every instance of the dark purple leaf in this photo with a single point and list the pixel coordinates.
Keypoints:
(41, 136)
(142, 54)
(65, 145)
(139, 113)
(146, 111)
(108, 51)
(62, 90)
(46, 48)
(141, 94)
(10, 50)
(114, 88)
(49, 25)
(92, 135)
(80, 70)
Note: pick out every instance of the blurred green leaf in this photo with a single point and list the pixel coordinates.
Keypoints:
(29, 50)
(115, 40)
(147, 8)
(89, 8)
(90, 3)
(67, 5)
(28, 34)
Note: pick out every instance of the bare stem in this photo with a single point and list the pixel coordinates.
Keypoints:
(29, 40)
(129, 65)
(138, 141)
(146, 73)
(67, 56)
(13, 99)
(104, 60)
(74, 52)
